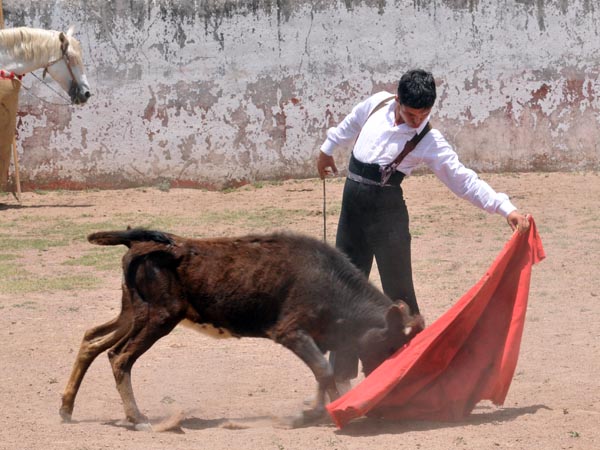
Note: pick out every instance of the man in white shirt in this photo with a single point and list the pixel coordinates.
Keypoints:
(392, 136)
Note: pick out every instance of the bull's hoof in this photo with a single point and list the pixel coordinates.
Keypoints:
(313, 402)
(143, 426)
(309, 417)
(136, 425)
(65, 414)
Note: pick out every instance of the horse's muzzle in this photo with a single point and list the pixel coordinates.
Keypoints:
(79, 94)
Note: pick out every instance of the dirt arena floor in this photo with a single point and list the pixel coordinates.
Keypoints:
(233, 394)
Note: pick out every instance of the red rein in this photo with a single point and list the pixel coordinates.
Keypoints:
(10, 75)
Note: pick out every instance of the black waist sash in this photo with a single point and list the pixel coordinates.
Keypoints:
(372, 172)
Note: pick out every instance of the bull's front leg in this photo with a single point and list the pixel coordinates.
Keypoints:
(305, 348)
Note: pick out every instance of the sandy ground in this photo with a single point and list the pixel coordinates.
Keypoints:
(231, 394)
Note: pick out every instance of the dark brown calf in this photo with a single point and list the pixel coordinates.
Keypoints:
(292, 289)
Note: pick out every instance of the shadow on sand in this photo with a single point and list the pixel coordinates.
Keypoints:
(371, 426)
(179, 422)
(7, 206)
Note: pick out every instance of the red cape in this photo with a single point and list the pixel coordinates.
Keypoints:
(467, 355)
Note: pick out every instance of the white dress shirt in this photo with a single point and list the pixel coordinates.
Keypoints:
(380, 140)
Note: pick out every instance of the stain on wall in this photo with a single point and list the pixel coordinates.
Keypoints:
(213, 93)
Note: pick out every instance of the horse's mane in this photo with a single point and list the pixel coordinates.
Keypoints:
(34, 44)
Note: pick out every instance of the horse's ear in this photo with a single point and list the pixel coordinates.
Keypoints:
(64, 42)
(71, 31)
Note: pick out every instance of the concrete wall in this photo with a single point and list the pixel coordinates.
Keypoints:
(216, 93)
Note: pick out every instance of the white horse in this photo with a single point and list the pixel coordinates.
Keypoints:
(24, 50)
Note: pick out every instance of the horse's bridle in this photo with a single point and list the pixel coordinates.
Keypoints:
(67, 61)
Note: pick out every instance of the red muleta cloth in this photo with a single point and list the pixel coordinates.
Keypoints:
(469, 354)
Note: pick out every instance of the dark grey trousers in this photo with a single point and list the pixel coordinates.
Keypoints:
(374, 224)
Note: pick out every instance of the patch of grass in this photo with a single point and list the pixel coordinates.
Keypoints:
(8, 270)
(9, 224)
(23, 282)
(164, 186)
(225, 216)
(25, 305)
(65, 283)
(163, 223)
(273, 217)
(27, 243)
(71, 309)
(261, 218)
(67, 231)
(42, 234)
(416, 231)
(104, 258)
(334, 208)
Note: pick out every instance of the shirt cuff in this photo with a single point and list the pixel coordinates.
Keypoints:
(505, 208)
(328, 147)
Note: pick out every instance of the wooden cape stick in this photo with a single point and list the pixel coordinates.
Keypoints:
(17, 176)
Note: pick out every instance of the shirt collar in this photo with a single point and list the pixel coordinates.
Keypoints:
(405, 129)
(423, 124)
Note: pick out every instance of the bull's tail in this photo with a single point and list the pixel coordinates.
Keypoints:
(128, 237)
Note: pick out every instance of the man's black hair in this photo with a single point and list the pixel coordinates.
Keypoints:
(416, 89)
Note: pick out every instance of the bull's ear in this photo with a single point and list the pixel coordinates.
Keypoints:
(399, 320)
(406, 312)
(396, 316)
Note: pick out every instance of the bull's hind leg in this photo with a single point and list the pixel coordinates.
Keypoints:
(150, 324)
(305, 348)
(95, 341)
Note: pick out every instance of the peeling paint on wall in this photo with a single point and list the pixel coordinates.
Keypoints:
(220, 92)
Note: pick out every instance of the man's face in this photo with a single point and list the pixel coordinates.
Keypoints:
(412, 117)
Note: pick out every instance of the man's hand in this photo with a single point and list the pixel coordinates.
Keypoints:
(325, 165)
(518, 221)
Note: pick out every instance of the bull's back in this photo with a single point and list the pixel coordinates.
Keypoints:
(244, 285)
(248, 285)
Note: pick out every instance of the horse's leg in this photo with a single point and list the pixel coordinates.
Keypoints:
(305, 348)
(95, 341)
(9, 94)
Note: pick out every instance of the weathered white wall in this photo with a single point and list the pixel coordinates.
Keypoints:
(213, 93)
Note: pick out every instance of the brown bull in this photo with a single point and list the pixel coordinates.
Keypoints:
(292, 289)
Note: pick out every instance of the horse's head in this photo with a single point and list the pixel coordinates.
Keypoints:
(67, 69)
